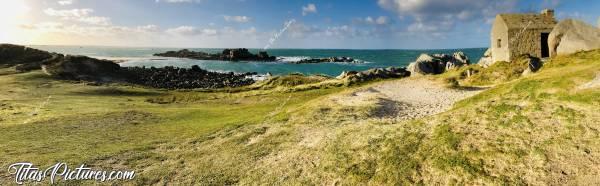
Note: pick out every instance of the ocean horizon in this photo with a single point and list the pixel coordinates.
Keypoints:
(372, 58)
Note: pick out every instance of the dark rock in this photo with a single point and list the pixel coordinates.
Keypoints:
(533, 64)
(183, 78)
(376, 73)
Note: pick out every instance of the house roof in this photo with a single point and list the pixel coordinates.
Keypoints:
(534, 21)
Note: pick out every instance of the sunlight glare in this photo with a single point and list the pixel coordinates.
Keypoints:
(12, 14)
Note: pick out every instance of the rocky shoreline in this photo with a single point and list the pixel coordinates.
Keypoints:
(83, 68)
(185, 78)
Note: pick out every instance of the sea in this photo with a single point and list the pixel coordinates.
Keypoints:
(376, 58)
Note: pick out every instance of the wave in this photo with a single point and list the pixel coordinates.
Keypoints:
(292, 58)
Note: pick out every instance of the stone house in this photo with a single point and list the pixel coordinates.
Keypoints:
(516, 34)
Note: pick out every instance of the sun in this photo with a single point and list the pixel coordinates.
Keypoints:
(12, 14)
(13, 9)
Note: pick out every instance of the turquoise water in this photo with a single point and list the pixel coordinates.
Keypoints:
(372, 58)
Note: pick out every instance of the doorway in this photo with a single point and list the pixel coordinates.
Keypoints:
(545, 48)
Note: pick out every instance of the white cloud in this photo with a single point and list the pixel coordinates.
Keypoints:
(239, 19)
(95, 20)
(66, 2)
(81, 15)
(95, 30)
(68, 13)
(191, 31)
(310, 8)
(302, 31)
(147, 28)
(442, 15)
(381, 20)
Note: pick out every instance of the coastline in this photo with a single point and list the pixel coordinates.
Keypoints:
(373, 59)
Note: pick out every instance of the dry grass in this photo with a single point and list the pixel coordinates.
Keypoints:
(536, 130)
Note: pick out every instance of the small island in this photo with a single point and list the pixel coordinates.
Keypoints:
(238, 54)
(243, 54)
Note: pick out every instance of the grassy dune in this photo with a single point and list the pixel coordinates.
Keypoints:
(543, 128)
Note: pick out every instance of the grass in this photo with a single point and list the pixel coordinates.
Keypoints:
(45, 121)
(538, 129)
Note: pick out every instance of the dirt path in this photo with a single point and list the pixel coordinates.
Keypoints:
(408, 98)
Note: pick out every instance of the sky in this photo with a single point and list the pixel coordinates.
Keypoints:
(347, 24)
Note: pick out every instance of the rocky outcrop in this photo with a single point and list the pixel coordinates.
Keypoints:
(239, 54)
(242, 54)
(486, 59)
(328, 60)
(82, 68)
(185, 78)
(185, 53)
(437, 63)
(376, 73)
(24, 58)
(570, 36)
(90, 69)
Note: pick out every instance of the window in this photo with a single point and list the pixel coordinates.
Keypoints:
(499, 43)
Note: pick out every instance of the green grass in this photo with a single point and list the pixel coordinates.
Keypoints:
(45, 121)
(539, 129)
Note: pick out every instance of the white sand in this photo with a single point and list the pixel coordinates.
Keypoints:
(408, 98)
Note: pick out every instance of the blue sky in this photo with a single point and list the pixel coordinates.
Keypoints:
(371, 24)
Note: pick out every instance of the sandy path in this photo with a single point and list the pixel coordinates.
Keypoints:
(409, 98)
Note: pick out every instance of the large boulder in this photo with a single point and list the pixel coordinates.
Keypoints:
(83, 68)
(437, 63)
(570, 36)
(486, 59)
(425, 64)
(458, 60)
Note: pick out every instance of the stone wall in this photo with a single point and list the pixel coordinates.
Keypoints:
(526, 41)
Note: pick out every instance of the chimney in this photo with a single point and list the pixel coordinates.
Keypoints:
(548, 13)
